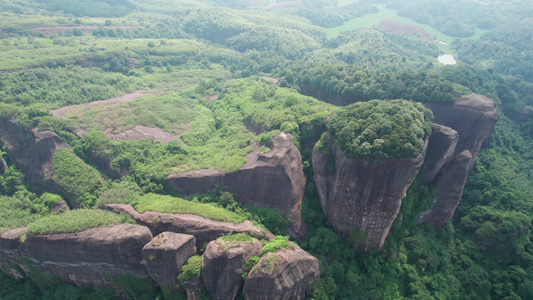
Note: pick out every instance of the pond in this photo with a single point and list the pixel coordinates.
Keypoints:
(447, 59)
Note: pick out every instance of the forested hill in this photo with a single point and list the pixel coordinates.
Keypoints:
(165, 106)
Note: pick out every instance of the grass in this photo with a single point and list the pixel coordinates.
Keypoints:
(14, 213)
(77, 220)
(168, 204)
(278, 243)
(371, 20)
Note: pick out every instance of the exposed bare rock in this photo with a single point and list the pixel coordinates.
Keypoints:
(361, 198)
(166, 254)
(285, 274)
(59, 207)
(204, 230)
(223, 266)
(32, 152)
(450, 186)
(269, 180)
(473, 118)
(441, 149)
(92, 257)
(3, 165)
(10, 258)
(193, 289)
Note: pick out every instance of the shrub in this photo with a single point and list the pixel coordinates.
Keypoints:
(192, 270)
(280, 242)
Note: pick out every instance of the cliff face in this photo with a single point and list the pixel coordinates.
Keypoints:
(89, 258)
(473, 120)
(223, 267)
(32, 152)
(269, 180)
(335, 99)
(361, 198)
(285, 274)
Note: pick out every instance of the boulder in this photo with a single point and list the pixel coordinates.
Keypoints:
(285, 274)
(272, 180)
(223, 266)
(441, 149)
(166, 254)
(362, 197)
(32, 152)
(3, 165)
(59, 207)
(204, 230)
(449, 190)
(90, 258)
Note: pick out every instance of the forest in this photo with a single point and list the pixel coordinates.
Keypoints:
(214, 79)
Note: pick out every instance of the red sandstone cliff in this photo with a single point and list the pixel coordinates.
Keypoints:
(269, 180)
(362, 197)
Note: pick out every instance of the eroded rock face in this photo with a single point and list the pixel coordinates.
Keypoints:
(92, 257)
(3, 165)
(10, 257)
(223, 266)
(285, 274)
(450, 186)
(269, 180)
(204, 230)
(473, 119)
(166, 254)
(32, 152)
(441, 149)
(362, 197)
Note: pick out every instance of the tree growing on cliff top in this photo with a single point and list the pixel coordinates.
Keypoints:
(381, 129)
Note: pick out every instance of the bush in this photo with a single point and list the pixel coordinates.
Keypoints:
(280, 242)
(192, 270)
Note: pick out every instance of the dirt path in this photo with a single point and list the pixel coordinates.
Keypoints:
(61, 112)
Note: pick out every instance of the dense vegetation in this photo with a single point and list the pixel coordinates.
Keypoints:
(219, 80)
(76, 221)
(381, 129)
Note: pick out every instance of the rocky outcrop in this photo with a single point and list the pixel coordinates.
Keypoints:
(3, 165)
(32, 152)
(93, 257)
(449, 190)
(10, 258)
(59, 207)
(362, 197)
(285, 274)
(473, 119)
(193, 289)
(272, 180)
(223, 266)
(166, 254)
(204, 230)
(441, 149)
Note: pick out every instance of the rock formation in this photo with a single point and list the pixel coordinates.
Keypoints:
(450, 186)
(32, 152)
(166, 254)
(269, 180)
(92, 257)
(3, 165)
(362, 197)
(223, 266)
(441, 149)
(473, 119)
(285, 274)
(204, 230)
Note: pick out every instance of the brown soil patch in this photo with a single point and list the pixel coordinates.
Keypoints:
(391, 26)
(61, 112)
(366, 30)
(84, 29)
(211, 97)
(270, 80)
